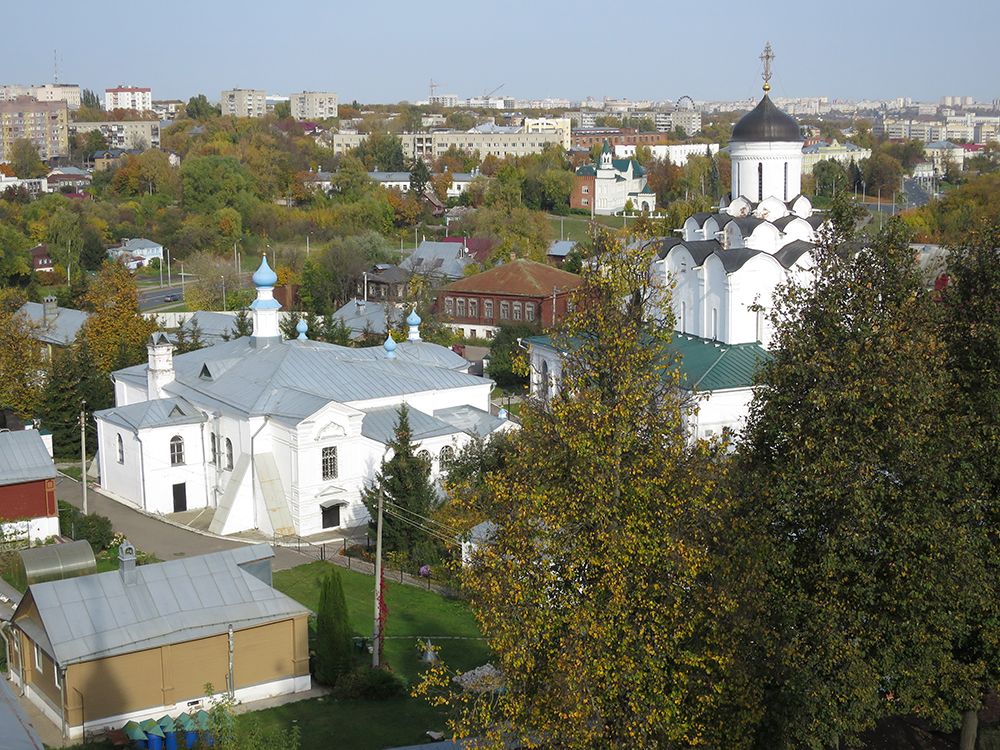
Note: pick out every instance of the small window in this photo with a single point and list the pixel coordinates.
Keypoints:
(585, 189)
(517, 311)
(504, 310)
(529, 311)
(425, 456)
(449, 306)
(447, 456)
(121, 449)
(473, 308)
(460, 307)
(38, 657)
(488, 309)
(176, 450)
(229, 454)
(330, 462)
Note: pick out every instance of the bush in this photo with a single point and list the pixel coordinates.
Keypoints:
(369, 683)
(95, 528)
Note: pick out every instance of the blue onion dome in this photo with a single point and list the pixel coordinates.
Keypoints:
(264, 276)
(413, 319)
(302, 327)
(390, 345)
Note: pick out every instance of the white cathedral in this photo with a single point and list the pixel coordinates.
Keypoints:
(725, 265)
(280, 435)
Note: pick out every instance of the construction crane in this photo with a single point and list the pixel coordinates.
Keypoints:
(487, 96)
(434, 87)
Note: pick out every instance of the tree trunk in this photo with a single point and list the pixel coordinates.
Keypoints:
(970, 727)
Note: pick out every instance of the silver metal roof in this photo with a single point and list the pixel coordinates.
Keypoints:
(99, 615)
(163, 412)
(16, 730)
(62, 330)
(24, 458)
(380, 424)
(470, 419)
(358, 316)
(437, 258)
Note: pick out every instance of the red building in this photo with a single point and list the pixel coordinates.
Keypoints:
(27, 487)
(516, 293)
(590, 137)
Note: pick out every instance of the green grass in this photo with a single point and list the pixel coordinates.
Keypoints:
(72, 471)
(577, 228)
(413, 613)
(360, 725)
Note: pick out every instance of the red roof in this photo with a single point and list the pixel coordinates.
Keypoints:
(520, 278)
(125, 88)
(479, 247)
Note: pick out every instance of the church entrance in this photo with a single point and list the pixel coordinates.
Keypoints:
(180, 497)
(331, 517)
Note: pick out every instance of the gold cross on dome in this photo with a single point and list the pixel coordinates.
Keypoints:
(767, 56)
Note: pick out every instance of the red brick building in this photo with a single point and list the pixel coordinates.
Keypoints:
(516, 293)
(27, 486)
(590, 137)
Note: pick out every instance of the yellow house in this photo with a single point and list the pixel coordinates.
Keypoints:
(96, 651)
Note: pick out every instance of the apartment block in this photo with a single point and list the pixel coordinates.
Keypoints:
(429, 146)
(128, 97)
(46, 92)
(45, 124)
(561, 125)
(244, 102)
(123, 134)
(314, 105)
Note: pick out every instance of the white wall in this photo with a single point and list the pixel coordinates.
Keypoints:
(773, 157)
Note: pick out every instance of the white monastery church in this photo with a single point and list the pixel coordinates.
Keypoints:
(725, 265)
(280, 435)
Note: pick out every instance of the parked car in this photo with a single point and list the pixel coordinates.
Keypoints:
(171, 298)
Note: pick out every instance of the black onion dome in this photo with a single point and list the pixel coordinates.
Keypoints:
(765, 123)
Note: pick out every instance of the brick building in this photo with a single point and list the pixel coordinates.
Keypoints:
(27, 487)
(519, 292)
(590, 137)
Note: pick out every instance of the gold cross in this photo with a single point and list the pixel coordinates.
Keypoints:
(767, 56)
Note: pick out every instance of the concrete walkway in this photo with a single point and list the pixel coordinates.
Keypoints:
(155, 535)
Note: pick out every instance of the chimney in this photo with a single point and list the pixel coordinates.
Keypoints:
(160, 367)
(49, 310)
(126, 562)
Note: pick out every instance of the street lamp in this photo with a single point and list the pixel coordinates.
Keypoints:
(223, 292)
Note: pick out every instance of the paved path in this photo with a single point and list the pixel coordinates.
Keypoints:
(150, 534)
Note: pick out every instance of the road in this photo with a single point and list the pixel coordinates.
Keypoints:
(155, 297)
(157, 537)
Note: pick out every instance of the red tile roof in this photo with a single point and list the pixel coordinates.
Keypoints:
(524, 278)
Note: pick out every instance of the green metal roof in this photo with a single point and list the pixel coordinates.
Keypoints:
(705, 365)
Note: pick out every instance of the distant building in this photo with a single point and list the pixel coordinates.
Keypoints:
(561, 125)
(314, 105)
(608, 185)
(558, 250)
(40, 260)
(519, 292)
(48, 92)
(28, 507)
(499, 142)
(111, 158)
(441, 260)
(138, 248)
(45, 124)
(945, 153)
(166, 109)
(384, 282)
(392, 180)
(33, 186)
(677, 153)
(73, 178)
(51, 325)
(243, 102)
(590, 137)
(844, 153)
(123, 134)
(128, 97)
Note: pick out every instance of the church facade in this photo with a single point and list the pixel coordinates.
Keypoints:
(280, 435)
(609, 185)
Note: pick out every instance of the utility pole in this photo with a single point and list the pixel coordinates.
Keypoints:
(182, 279)
(169, 280)
(223, 293)
(377, 633)
(83, 452)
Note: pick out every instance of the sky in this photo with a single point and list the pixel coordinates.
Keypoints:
(377, 51)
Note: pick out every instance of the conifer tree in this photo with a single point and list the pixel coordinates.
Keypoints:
(404, 484)
(333, 635)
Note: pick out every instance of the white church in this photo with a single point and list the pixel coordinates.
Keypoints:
(724, 268)
(280, 435)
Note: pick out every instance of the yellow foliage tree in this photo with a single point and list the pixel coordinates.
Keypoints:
(116, 332)
(21, 365)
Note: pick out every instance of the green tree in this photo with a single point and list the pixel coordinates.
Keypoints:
(212, 182)
(283, 110)
(403, 483)
(590, 592)
(420, 176)
(21, 363)
(199, 108)
(830, 176)
(15, 261)
(881, 172)
(25, 161)
(382, 151)
(333, 634)
(505, 351)
(73, 380)
(89, 99)
(851, 515)
(242, 325)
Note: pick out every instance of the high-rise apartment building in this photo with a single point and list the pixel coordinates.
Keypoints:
(128, 97)
(45, 124)
(244, 102)
(314, 105)
(46, 92)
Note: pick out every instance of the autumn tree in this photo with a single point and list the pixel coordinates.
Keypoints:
(21, 364)
(116, 332)
(858, 551)
(590, 593)
(25, 160)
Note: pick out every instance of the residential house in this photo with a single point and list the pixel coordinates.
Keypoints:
(40, 259)
(477, 248)
(68, 179)
(313, 105)
(137, 251)
(110, 158)
(123, 134)
(28, 507)
(558, 250)
(519, 292)
(52, 325)
(243, 102)
(439, 260)
(95, 651)
(384, 282)
(392, 180)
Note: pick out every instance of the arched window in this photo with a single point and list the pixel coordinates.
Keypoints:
(760, 181)
(215, 449)
(176, 450)
(121, 449)
(543, 387)
(786, 180)
(425, 456)
(229, 454)
(446, 457)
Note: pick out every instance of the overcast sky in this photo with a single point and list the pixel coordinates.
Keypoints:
(387, 51)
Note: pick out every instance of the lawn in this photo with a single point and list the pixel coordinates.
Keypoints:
(575, 227)
(413, 613)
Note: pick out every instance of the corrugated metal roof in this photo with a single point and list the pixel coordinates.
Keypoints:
(100, 615)
(61, 330)
(437, 258)
(162, 412)
(470, 419)
(16, 730)
(380, 424)
(24, 458)
(561, 248)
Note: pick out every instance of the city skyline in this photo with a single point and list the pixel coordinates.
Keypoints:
(389, 53)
